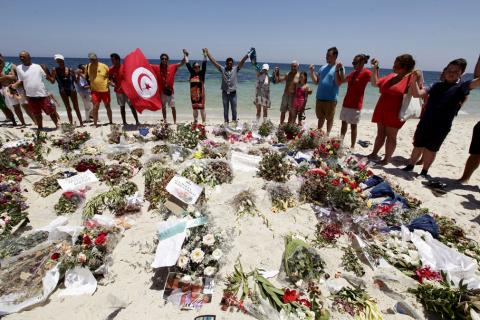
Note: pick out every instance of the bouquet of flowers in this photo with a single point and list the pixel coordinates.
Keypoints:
(69, 202)
(344, 193)
(359, 166)
(48, 185)
(67, 128)
(357, 303)
(202, 250)
(90, 151)
(301, 261)
(244, 204)
(350, 262)
(212, 173)
(17, 156)
(162, 132)
(314, 188)
(12, 207)
(282, 197)
(287, 131)
(327, 234)
(114, 200)
(331, 148)
(266, 128)
(157, 176)
(253, 294)
(72, 141)
(14, 246)
(129, 159)
(160, 148)
(92, 164)
(307, 140)
(211, 151)
(115, 134)
(115, 174)
(10, 174)
(90, 249)
(446, 301)
(274, 167)
(188, 135)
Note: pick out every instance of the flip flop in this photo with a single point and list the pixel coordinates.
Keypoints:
(364, 143)
(437, 187)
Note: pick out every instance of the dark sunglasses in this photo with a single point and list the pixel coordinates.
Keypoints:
(206, 317)
(354, 63)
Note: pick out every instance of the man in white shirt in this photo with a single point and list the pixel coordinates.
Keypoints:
(31, 76)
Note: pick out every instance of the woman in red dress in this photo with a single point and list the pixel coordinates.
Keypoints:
(386, 115)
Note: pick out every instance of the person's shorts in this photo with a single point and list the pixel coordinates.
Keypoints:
(198, 106)
(430, 138)
(325, 109)
(39, 104)
(475, 144)
(98, 97)
(350, 115)
(122, 99)
(168, 100)
(287, 102)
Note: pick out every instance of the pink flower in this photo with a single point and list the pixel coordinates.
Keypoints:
(101, 239)
(290, 296)
(428, 274)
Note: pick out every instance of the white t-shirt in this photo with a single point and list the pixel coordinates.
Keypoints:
(32, 77)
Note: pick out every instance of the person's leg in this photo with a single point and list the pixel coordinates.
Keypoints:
(9, 115)
(471, 165)
(353, 129)
(292, 116)
(282, 117)
(379, 140)
(233, 102)
(174, 115)
(134, 113)
(195, 115)
(343, 129)
(390, 144)
(428, 158)
(331, 105)
(204, 115)
(18, 111)
(124, 116)
(265, 112)
(414, 156)
(225, 106)
(164, 106)
(74, 98)
(109, 112)
(259, 112)
(87, 105)
(320, 114)
(66, 102)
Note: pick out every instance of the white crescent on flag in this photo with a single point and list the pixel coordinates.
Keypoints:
(144, 82)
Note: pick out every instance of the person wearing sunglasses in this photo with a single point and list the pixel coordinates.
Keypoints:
(197, 86)
(166, 78)
(353, 102)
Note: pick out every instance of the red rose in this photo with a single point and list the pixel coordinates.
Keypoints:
(86, 240)
(318, 171)
(336, 145)
(428, 274)
(345, 180)
(101, 239)
(353, 185)
(55, 256)
(305, 302)
(335, 182)
(290, 296)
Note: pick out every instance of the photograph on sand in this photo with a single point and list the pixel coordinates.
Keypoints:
(254, 160)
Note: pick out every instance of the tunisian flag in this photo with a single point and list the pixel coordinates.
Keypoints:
(139, 82)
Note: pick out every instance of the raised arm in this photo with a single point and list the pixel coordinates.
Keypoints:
(476, 75)
(10, 75)
(417, 80)
(240, 64)
(375, 77)
(339, 74)
(212, 59)
(313, 74)
(184, 60)
(50, 76)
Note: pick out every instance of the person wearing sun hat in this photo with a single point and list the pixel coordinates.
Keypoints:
(65, 78)
(262, 92)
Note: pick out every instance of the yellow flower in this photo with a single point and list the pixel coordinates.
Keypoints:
(369, 203)
(330, 152)
(346, 189)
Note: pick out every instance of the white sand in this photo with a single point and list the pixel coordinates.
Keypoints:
(129, 280)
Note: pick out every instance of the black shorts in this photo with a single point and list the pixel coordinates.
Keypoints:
(475, 144)
(430, 138)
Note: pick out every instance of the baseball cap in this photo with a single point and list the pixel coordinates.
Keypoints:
(265, 66)
(58, 56)
(295, 62)
(92, 55)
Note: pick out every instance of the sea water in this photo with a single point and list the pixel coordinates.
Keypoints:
(246, 89)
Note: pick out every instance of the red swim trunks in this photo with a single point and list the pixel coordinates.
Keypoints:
(98, 97)
(39, 104)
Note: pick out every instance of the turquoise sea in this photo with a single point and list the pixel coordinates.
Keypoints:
(246, 89)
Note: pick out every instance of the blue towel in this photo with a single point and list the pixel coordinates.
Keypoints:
(425, 223)
(372, 181)
(382, 189)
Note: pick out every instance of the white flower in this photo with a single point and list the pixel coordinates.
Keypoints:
(217, 254)
(197, 213)
(182, 262)
(186, 279)
(184, 252)
(209, 271)
(82, 258)
(208, 240)
(197, 255)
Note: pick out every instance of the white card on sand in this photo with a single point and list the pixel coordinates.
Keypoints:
(77, 181)
(184, 189)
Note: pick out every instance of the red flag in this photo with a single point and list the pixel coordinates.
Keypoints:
(140, 83)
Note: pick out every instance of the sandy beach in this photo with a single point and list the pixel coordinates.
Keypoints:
(126, 292)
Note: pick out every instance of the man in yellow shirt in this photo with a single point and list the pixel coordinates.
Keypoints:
(97, 76)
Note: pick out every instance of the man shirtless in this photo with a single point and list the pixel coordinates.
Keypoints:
(291, 80)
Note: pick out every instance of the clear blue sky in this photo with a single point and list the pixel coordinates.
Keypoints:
(434, 31)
